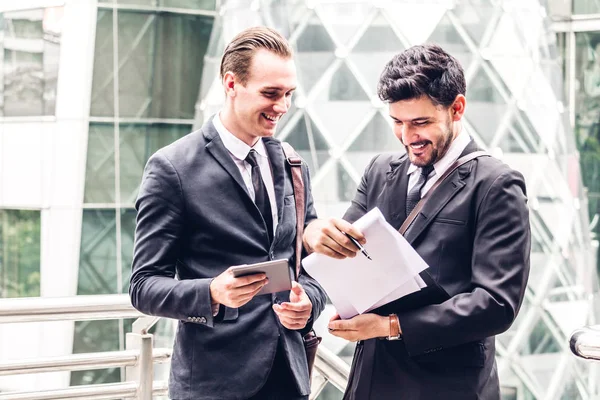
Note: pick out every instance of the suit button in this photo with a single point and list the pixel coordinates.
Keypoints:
(189, 318)
(202, 320)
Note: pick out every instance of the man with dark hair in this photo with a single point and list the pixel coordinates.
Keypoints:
(219, 197)
(472, 230)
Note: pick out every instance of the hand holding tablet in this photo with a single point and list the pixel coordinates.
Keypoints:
(278, 273)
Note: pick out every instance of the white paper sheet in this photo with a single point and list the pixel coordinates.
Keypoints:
(356, 285)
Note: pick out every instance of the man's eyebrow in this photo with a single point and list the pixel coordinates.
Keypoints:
(277, 88)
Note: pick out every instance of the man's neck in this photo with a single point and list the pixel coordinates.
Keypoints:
(229, 123)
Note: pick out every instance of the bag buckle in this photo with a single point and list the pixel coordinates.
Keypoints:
(294, 161)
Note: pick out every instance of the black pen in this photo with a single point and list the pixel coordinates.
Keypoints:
(362, 249)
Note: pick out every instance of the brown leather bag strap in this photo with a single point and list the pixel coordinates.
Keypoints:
(295, 163)
(465, 159)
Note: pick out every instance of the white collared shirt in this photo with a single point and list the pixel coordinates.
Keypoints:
(239, 151)
(457, 146)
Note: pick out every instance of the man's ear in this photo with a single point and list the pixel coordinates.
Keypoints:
(458, 107)
(229, 83)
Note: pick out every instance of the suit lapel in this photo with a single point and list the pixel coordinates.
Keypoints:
(453, 184)
(277, 162)
(217, 149)
(397, 183)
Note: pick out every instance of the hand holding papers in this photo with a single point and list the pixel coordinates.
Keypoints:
(357, 285)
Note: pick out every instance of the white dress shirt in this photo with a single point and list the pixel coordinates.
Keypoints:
(239, 151)
(456, 148)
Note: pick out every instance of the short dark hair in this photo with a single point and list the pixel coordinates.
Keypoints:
(238, 54)
(422, 70)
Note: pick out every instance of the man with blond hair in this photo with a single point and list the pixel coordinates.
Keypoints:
(219, 197)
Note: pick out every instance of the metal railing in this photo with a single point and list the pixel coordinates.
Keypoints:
(138, 358)
(585, 342)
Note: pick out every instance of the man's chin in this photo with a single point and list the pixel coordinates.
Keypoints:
(420, 160)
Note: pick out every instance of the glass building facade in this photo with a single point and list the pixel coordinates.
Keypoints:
(89, 90)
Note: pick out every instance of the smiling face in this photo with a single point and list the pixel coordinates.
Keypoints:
(426, 130)
(254, 108)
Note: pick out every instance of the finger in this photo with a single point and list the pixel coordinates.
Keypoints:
(297, 307)
(292, 323)
(249, 289)
(339, 245)
(335, 317)
(344, 226)
(292, 318)
(304, 313)
(248, 279)
(355, 233)
(341, 325)
(297, 288)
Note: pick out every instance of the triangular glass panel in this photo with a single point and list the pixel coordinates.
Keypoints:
(314, 38)
(335, 187)
(475, 19)
(308, 141)
(344, 19)
(377, 136)
(446, 35)
(343, 86)
(360, 159)
(340, 118)
(312, 67)
(486, 106)
(509, 144)
(346, 185)
(540, 341)
(379, 37)
(527, 131)
(415, 20)
(370, 66)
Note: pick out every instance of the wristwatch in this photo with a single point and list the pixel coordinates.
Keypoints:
(394, 328)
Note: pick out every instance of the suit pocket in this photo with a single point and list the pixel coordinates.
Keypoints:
(449, 221)
(466, 355)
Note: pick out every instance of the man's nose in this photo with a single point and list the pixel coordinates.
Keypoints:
(282, 105)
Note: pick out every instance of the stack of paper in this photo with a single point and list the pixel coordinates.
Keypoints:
(357, 285)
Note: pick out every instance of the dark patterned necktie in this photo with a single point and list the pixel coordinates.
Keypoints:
(261, 197)
(414, 195)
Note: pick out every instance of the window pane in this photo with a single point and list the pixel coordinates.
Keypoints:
(97, 260)
(587, 115)
(138, 143)
(102, 103)
(193, 4)
(29, 57)
(161, 61)
(19, 253)
(586, 7)
(100, 165)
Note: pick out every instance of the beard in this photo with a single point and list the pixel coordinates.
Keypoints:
(439, 148)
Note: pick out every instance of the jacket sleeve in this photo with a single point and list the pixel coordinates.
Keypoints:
(313, 290)
(499, 270)
(158, 236)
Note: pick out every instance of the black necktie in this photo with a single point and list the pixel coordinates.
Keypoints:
(261, 197)
(414, 195)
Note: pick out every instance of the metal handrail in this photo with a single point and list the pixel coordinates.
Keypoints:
(125, 390)
(585, 342)
(76, 308)
(83, 361)
(114, 306)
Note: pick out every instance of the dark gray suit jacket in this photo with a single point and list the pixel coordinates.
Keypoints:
(474, 234)
(195, 219)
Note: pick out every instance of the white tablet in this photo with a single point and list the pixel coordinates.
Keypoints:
(278, 272)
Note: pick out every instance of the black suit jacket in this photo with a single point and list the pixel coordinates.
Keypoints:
(474, 234)
(195, 219)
